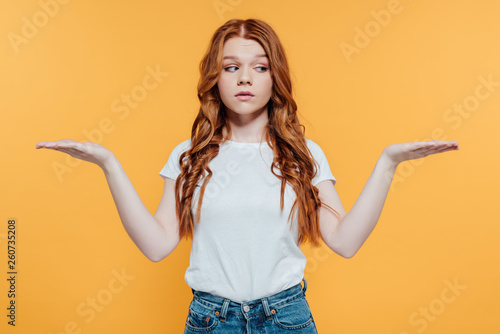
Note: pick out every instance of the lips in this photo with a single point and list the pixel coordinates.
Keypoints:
(244, 93)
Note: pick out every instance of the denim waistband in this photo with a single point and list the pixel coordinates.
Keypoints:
(223, 305)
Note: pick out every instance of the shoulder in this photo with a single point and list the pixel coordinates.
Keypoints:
(311, 144)
(314, 148)
(176, 152)
(181, 147)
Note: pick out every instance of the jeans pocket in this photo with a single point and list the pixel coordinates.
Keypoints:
(293, 315)
(201, 318)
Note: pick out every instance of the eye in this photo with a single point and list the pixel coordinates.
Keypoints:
(263, 68)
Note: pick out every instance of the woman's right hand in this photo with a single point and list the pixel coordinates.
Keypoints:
(87, 151)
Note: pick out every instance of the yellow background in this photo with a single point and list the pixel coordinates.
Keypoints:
(440, 223)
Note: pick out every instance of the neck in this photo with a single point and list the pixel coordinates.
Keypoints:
(249, 128)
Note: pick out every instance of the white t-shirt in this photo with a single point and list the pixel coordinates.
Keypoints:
(243, 248)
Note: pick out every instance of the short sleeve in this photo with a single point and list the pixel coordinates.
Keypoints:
(172, 169)
(324, 172)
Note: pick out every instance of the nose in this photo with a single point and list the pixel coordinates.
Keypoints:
(244, 77)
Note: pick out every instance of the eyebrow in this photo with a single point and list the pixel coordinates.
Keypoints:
(255, 56)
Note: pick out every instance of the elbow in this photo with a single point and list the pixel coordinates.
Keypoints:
(348, 255)
(155, 257)
(345, 253)
(158, 253)
(342, 248)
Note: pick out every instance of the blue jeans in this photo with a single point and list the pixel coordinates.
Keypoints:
(284, 312)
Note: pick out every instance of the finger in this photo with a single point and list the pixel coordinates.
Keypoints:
(420, 145)
(55, 144)
(441, 149)
(426, 150)
(422, 148)
(446, 143)
(66, 143)
(424, 145)
(445, 149)
(45, 144)
(420, 154)
(436, 144)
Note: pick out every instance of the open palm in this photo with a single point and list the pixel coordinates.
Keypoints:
(88, 151)
(415, 150)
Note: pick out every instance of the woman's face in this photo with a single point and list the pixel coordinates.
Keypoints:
(245, 67)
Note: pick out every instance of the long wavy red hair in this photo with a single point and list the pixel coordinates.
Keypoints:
(283, 133)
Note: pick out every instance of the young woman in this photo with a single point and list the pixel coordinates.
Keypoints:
(249, 188)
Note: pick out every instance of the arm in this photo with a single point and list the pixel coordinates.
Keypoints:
(156, 236)
(346, 234)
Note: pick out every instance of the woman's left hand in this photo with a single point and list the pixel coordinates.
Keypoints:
(408, 151)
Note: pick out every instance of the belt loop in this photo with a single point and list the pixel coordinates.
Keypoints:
(225, 306)
(304, 289)
(266, 307)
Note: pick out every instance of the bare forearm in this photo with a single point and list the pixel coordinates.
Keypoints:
(355, 227)
(148, 235)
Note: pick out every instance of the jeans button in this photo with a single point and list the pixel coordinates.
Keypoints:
(246, 308)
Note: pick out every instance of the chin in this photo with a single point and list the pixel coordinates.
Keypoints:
(247, 111)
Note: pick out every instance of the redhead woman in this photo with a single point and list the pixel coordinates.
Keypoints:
(249, 189)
